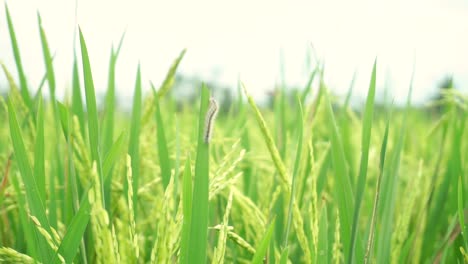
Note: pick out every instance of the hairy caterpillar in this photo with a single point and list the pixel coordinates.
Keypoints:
(209, 119)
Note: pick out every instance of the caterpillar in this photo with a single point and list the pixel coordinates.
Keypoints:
(209, 119)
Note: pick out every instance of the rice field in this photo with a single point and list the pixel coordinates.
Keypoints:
(307, 180)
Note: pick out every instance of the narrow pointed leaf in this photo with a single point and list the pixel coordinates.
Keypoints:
(198, 243)
(261, 250)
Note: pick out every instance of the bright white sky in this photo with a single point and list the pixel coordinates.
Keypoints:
(245, 38)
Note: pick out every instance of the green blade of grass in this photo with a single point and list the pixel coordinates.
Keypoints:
(350, 91)
(284, 256)
(47, 59)
(74, 219)
(69, 195)
(30, 234)
(108, 164)
(19, 65)
(361, 184)
(383, 151)
(285, 253)
(198, 243)
(440, 193)
(170, 77)
(52, 87)
(315, 106)
(308, 86)
(342, 188)
(75, 231)
(109, 117)
(187, 211)
(430, 232)
(261, 250)
(134, 142)
(64, 119)
(163, 153)
(77, 101)
(117, 149)
(39, 150)
(109, 107)
(346, 125)
(93, 128)
(446, 241)
(122, 38)
(295, 172)
(390, 184)
(39, 88)
(35, 204)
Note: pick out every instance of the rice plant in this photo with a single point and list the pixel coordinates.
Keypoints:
(309, 181)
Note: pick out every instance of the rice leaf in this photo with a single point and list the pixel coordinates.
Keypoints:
(163, 153)
(390, 185)
(357, 251)
(93, 125)
(28, 230)
(35, 203)
(109, 108)
(47, 60)
(118, 147)
(351, 87)
(75, 231)
(308, 86)
(77, 101)
(297, 163)
(261, 250)
(64, 120)
(342, 187)
(187, 211)
(370, 241)
(19, 65)
(284, 256)
(197, 250)
(39, 152)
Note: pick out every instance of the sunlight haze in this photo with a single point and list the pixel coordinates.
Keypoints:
(249, 40)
